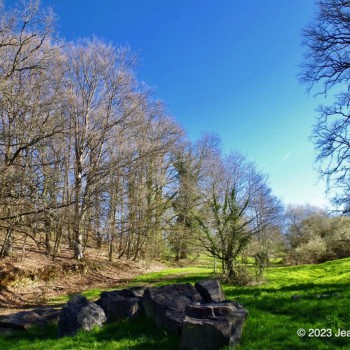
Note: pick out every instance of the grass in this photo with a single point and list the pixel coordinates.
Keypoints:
(135, 334)
(308, 297)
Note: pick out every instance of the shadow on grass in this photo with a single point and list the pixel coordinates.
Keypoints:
(297, 300)
(43, 333)
(139, 333)
(321, 306)
(142, 331)
(277, 313)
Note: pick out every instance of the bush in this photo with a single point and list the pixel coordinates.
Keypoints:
(314, 251)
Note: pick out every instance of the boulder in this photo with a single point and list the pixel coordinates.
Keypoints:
(122, 303)
(167, 304)
(205, 334)
(210, 290)
(25, 319)
(133, 292)
(78, 314)
(117, 307)
(212, 326)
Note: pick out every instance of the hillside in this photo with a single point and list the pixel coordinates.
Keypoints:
(30, 278)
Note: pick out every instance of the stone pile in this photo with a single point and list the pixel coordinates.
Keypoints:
(200, 313)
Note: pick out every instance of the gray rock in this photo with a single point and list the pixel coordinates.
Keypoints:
(117, 307)
(78, 314)
(26, 319)
(48, 313)
(122, 303)
(212, 326)
(91, 316)
(205, 334)
(210, 290)
(134, 292)
(328, 295)
(167, 304)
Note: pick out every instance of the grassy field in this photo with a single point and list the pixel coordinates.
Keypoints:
(307, 297)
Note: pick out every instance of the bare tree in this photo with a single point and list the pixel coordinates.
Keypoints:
(268, 219)
(326, 66)
(191, 165)
(228, 220)
(30, 112)
(148, 178)
(24, 33)
(184, 203)
(87, 156)
(100, 98)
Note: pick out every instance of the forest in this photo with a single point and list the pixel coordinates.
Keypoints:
(90, 157)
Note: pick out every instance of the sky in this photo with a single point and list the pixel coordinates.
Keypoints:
(224, 66)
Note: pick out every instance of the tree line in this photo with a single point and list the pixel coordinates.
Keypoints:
(89, 156)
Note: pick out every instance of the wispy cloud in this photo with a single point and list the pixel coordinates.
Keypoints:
(285, 158)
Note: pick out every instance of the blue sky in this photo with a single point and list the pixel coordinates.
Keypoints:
(222, 66)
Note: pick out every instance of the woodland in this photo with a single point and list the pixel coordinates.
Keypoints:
(90, 158)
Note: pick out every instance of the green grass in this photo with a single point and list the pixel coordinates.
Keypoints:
(308, 296)
(135, 334)
(321, 300)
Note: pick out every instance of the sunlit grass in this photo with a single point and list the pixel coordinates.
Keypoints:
(182, 274)
(306, 296)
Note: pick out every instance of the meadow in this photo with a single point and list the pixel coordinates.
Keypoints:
(292, 298)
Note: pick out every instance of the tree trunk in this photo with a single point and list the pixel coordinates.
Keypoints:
(78, 236)
(78, 247)
(231, 274)
(7, 247)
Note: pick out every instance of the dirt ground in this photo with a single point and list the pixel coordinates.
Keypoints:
(30, 279)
